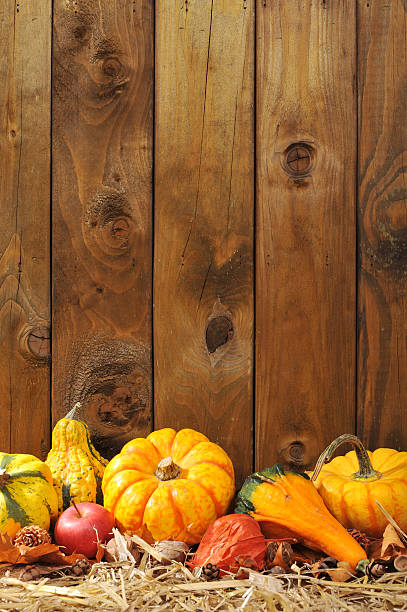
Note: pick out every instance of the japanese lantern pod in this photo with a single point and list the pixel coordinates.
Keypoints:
(228, 538)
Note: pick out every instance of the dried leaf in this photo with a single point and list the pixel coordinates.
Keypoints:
(402, 534)
(374, 549)
(5, 542)
(121, 548)
(342, 573)
(391, 545)
(44, 553)
(100, 552)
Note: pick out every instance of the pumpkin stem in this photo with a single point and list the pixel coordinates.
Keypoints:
(3, 477)
(72, 413)
(365, 466)
(167, 469)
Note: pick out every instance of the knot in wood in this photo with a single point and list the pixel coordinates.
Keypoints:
(80, 32)
(111, 67)
(218, 332)
(167, 469)
(39, 342)
(120, 229)
(298, 158)
(296, 452)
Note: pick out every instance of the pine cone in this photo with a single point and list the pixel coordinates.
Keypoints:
(31, 536)
(211, 571)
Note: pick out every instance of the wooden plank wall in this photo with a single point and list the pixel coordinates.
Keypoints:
(306, 153)
(228, 216)
(102, 215)
(203, 282)
(382, 211)
(25, 65)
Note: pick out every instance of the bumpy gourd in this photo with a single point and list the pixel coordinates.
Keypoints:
(27, 496)
(287, 504)
(350, 485)
(76, 466)
(173, 484)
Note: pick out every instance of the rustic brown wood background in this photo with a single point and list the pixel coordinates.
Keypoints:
(204, 221)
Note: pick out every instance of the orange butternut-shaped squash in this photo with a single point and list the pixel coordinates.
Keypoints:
(173, 484)
(288, 504)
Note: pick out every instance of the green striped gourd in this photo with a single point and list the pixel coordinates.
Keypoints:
(27, 496)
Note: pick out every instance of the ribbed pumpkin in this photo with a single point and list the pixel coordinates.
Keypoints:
(174, 484)
(287, 504)
(76, 466)
(27, 496)
(351, 484)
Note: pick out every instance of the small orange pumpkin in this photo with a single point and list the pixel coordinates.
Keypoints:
(173, 484)
(351, 485)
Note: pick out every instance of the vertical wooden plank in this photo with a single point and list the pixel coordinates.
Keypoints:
(306, 305)
(382, 363)
(25, 61)
(102, 246)
(203, 293)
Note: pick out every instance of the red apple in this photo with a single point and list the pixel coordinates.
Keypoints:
(80, 527)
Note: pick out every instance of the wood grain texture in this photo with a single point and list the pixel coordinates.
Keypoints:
(305, 263)
(102, 245)
(382, 363)
(203, 280)
(25, 60)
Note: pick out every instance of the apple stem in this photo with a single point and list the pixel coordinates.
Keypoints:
(76, 507)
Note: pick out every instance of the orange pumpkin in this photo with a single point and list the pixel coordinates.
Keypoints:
(351, 485)
(173, 484)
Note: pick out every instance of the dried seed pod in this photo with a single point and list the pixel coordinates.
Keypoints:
(271, 551)
(277, 569)
(172, 551)
(279, 554)
(242, 574)
(246, 562)
(400, 563)
(30, 572)
(375, 569)
(112, 551)
(286, 552)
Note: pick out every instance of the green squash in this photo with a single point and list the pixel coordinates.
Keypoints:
(27, 495)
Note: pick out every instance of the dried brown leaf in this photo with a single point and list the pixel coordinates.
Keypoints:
(100, 553)
(391, 545)
(44, 553)
(342, 573)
